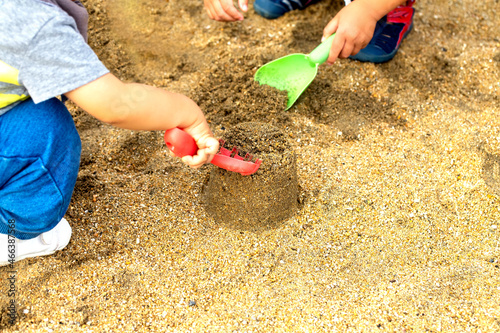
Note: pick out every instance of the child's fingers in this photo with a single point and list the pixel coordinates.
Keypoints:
(330, 28)
(357, 48)
(346, 50)
(215, 11)
(211, 146)
(243, 5)
(336, 49)
(338, 41)
(197, 160)
(203, 155)
(190, 160)
(209, 7)
(225, 11)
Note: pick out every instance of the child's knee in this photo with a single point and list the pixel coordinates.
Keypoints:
(39, 159)
(53, 119)
(32, 196)
(31, 129)
(47, 131)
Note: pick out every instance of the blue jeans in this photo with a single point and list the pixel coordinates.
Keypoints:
(39, 160)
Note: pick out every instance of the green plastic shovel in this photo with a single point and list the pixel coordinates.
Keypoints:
(294, 72)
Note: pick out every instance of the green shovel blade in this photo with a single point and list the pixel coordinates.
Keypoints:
(295, 72)
(282, 74)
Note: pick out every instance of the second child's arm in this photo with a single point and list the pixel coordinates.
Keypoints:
(140, 107)
(354, 26)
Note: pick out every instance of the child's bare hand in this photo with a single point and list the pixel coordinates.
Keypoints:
(208, 146)
(354, 26)
(224, 10)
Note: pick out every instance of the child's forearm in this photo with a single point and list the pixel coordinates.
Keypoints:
(141, 107)
(380, 8)
(136, 106)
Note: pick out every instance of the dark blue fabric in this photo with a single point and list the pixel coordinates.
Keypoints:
(384, 44)
(272, 9)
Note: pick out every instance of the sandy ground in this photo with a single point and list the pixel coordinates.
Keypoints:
(398, 167)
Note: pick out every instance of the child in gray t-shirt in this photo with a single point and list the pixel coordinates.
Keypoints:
(43, 54)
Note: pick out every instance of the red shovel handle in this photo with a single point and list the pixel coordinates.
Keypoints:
(180, 143)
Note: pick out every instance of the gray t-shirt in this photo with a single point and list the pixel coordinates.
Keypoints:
(42, 53)
(76, 10)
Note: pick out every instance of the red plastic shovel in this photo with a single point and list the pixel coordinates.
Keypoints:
(182, 144)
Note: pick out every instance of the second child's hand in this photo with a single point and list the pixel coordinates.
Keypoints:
(224, 10)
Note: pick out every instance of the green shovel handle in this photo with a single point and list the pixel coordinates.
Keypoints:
(321, 52)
